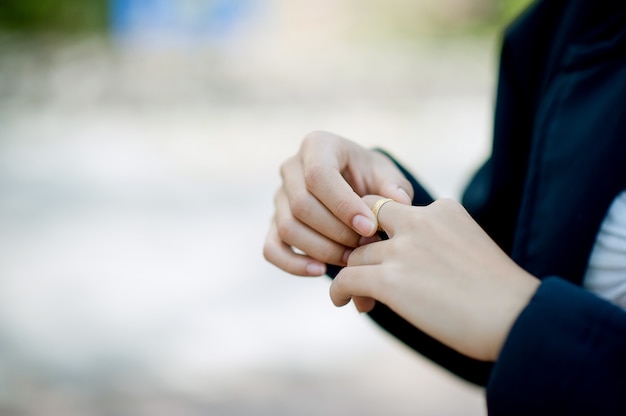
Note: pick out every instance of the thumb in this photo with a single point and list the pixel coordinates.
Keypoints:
(363, 304)
(389, 213)
(389, 181)
(399, 192)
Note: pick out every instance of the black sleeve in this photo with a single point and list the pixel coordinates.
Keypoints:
(565, 355)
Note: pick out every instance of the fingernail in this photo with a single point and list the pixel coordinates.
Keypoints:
(363, 225)
(405, 193)
(315, 269)
(368, 240)
(346, 254)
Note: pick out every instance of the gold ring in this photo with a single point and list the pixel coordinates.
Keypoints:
(377, 206)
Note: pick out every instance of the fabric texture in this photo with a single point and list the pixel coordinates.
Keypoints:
(557, 163)
(564, 356)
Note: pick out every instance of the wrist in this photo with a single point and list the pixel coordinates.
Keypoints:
(513, 305)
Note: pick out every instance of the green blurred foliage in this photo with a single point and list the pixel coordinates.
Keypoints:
(65, 16)
(509, 9)
(70, 16)
(497, 16)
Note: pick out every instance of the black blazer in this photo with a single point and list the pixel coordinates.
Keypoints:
(558, 161)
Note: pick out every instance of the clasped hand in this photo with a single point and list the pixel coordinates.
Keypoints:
(439, 270)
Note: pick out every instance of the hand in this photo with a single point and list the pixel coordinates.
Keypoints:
(440, 271)
(319, 211)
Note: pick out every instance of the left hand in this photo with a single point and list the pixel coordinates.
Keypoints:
(441, 272)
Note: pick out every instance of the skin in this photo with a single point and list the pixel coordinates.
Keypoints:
(319, 210)
(439, 270)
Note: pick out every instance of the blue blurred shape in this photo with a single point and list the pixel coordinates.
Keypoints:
(177, 21)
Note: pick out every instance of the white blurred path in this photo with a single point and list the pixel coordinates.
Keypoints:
(135, 193)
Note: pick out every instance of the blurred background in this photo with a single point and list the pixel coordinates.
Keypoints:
(140, 142)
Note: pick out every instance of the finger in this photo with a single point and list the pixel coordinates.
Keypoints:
(352, 282)
(369, 254)
(389, 215)
(324, 157)
(396, 192)
(331, 189)
(390, 182)
(363, 304)
(282, 256)
(294, 233)
(310, 211)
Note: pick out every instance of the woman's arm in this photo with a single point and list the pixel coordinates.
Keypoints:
(441, 272)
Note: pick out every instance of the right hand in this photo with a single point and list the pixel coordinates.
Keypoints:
(320, 216)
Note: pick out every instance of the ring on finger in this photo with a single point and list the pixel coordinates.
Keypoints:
(377, 206)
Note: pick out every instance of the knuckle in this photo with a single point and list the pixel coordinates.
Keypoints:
(331, 254)
(448, 206)
(408, 187)
(285, 229)
(417, 218)
(314, 175)
(348, 237)
(301, 204)
(271, 250)
(326, 252)
(341, 284)
(268, 252)
(285, 167)
(362, 253)
(397, 249)
(385, 278)
(446, 203)
(387, 281)
(343, 208)
(314, 136)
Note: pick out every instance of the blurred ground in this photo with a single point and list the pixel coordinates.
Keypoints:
(136, 187)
